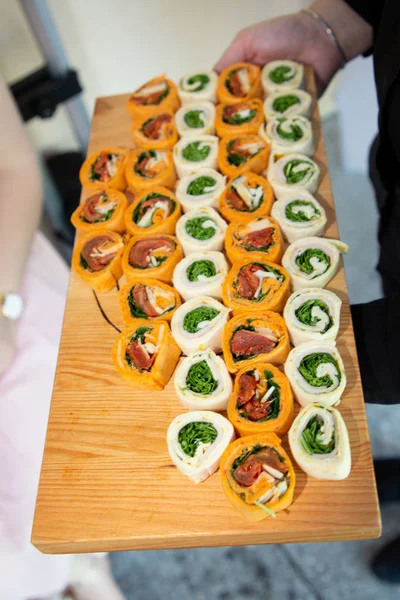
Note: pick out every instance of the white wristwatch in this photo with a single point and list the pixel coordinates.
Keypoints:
(11, 305)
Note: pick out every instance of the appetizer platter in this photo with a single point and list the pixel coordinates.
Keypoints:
(207, 391)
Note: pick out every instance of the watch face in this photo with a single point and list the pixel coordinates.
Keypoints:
(12, 306)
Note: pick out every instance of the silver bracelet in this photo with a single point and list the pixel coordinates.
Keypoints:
(329, 32)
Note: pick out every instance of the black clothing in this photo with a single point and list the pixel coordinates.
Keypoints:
(377, 324)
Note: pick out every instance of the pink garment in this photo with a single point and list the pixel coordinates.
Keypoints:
(25, 393)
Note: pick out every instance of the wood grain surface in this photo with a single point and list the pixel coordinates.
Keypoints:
(107, 481)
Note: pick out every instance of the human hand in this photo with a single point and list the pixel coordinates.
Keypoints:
(296, 37)
(7, 343)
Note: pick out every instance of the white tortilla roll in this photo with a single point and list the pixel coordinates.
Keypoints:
(316, 373)
(287, 104)
(282, 76)
(201, 229)
(198, 86)
(289, 135)
(198, 325)
(196, 440)
(312, 315)
(293, 173)
(312, 261)
(194, 152)
(200, 274)
(299, 215)
(320, 444)
(202, 382)
(195, 118)
(202, 188)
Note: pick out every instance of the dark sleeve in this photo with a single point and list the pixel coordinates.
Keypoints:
(377, 333)
(370, 10)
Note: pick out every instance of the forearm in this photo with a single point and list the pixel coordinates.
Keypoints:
(20, 194)
(353, 33)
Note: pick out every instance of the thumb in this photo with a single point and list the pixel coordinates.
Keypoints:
(237, 51)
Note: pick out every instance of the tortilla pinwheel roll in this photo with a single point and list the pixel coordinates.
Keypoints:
(252, 337)
(148, 168)
(145, 354)
(201, 229)
(148, 299)
(194, 152)
(196, 118)
(198, 324)
(256, 285)
(262, 401)
(202, 188)
(312, 315)
(259, 239)
(316, 373)
(245, 198)
(104, 169)
(97, 259)
(238, 83)
(257, 476)
(198, 86)
(201, 274)
(293, 173)
(156, 131)
(154, 211)
(237, 155)
(240, 118)
(289, 134)
(320, 444)
(152, 256)
(312, 261)
(299, 215)
(282, 76)
(196, 441)
(202, 382)
(156, 96)
(288, 104)
(104, 210)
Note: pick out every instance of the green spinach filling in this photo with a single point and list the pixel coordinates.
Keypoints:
(196, 151)
(293, 176)
(309, 365)
(201, 79)
(195, 433)
(138, 212)
(281, 74)
(283, 103)
(195, 228)
(205, 268)
(198, 315)
(303, 261)
(200, 379)
(305, 316)
(294, 134)
(198, 186)
(238, 119)
(194, 119)
(300, 216)
(311, 438)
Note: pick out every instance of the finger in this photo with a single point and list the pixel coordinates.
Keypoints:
(236, 52)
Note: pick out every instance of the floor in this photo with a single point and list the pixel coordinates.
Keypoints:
(328, 571)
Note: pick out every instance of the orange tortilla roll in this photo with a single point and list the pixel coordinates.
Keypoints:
(254, 336)
(245, 198)
(147, 168)
(261, 401)
(259, 239)
(237, 155)
(97, 259)
(257, 476)
(153, 256)
(156, 96)
(156, 131)
(148, 299)
(256, 286)
(145, 354)
(104, 210)
(240, 118)
(239, 83)
(104, 169)
(155, 211)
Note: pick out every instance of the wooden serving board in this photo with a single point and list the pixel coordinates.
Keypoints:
(107, 481)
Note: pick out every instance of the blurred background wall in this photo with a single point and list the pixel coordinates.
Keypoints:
(116, 46)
